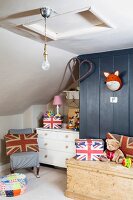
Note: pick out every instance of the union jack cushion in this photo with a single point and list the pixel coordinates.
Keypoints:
(89, 149)
(126, 143)
(21, 143)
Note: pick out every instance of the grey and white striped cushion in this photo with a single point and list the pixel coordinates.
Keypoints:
(19, 131)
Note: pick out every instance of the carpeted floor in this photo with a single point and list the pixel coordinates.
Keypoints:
(50, 186)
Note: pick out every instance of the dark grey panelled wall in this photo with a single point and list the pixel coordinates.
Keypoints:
(97, 115)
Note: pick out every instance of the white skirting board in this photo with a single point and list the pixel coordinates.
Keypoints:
(4, 167)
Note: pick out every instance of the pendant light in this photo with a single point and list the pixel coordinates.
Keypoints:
(45, 12)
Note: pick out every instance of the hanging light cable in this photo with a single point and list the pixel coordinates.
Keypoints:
(45, 12)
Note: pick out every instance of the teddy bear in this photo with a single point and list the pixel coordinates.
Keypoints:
(113, 153)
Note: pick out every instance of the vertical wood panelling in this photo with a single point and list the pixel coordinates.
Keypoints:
(93, 102)
(83, 111)
(89, 99)
(97, 114)
(131, 93)
(106, 108)
(121, 108)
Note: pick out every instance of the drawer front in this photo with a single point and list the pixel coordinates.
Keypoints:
(54, 157)
(47, 134)
(67, 136)
(45, 157)
(57, 145)
(58, 134)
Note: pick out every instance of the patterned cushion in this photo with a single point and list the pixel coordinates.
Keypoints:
(21, 143)
(125, 142)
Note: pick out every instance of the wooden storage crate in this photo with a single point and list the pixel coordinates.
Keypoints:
(95, 180)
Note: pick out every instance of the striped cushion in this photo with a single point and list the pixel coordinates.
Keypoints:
(19, 131)
(21, 143)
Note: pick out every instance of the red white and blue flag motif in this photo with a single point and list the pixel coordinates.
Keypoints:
(52, 122)
(89, 149)
(21, 143)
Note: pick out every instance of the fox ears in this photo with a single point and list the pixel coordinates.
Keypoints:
(106, 74)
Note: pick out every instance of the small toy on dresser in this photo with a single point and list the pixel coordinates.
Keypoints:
(73, 122)
(113, 153)
(48, 114)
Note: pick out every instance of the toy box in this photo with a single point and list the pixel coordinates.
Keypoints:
(89, 149)
(98, 180)
(52, 122)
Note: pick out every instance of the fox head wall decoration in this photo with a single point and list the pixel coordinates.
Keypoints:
(113, 80)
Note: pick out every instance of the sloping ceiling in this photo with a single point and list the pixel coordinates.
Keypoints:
(75, 27)
(22, 81)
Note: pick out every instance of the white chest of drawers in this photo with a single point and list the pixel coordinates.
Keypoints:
(56, 145)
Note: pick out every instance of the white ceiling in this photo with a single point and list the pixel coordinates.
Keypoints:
(104, 25)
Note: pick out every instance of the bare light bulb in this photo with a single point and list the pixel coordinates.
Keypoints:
(45, 64)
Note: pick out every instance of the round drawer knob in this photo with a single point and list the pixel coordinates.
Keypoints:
(45, 156)
(66, 136)
(66, 147)
(46, 134)
(45, 144)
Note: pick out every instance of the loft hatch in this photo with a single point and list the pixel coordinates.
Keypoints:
(70, 24)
